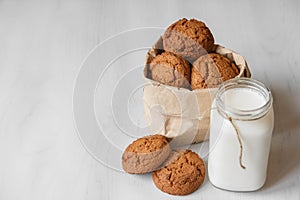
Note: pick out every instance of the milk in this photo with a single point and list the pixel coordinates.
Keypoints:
(224, 168)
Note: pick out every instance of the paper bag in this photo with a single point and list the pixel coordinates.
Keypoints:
(178, 113)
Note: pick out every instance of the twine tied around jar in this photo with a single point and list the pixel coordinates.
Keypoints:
(239, 139)
(230, 119)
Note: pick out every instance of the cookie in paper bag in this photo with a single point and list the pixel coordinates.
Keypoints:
(188, 38)
(170, 69)
(210, 70)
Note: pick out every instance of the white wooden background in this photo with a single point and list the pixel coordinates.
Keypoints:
(43, 42)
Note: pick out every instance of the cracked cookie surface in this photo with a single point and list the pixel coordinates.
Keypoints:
(188, 38)
(171, 69)
(145, 154)
(210, 70)
(182, 174)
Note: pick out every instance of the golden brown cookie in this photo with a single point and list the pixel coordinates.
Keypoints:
(145, 154)
(182, 174)
(170, 69)
(188, 38)
(212, 69)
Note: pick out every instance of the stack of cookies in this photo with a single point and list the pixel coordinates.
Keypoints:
(188, 59)
(177, 172)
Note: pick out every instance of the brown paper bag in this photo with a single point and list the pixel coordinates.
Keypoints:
(179, 113)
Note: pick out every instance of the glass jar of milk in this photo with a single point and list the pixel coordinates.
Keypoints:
(241, 128)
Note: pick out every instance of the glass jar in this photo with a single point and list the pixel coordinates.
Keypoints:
(241, 128)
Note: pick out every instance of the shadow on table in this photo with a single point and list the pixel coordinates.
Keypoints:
(284, 156)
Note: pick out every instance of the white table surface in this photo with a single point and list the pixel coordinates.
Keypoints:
(42, 44)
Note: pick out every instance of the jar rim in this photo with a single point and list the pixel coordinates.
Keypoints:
(244, 114)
